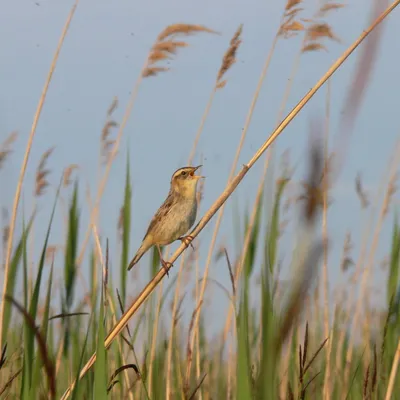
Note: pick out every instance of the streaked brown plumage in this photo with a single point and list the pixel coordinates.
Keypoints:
(175, 216)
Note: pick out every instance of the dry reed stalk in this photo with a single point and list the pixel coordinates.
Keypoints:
(393, 373)
(26, 158)
(6, 147)
(161, 47)
(227, 61)
(286, 31)
(154, 338)
(230, 189)
(370, 261)
(325, 282)
(231, 174)
(171, 338)
(109, 299)
(175, 304)
(200, 392)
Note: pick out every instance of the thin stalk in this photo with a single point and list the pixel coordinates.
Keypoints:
(171, 337)
(154, 339)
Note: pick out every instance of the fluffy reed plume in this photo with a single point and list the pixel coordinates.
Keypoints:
(391, 190)
(328, 7)
(291, 26)
(347, 261)
(165, 46)
(361, 193)
(5, 147)
(320, 30)
(41, 181)
(229, 57)
(107, 142)
(67, 174)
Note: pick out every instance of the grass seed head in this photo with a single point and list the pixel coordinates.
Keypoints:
(42, 173)
(67, 174)
(230, 56)
(106, 142)
(5, 148)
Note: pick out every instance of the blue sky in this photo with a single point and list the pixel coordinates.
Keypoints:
(102, 57)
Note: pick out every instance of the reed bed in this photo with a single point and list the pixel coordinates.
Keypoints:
(294, 342)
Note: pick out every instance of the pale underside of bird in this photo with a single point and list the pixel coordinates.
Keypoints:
(175, 216)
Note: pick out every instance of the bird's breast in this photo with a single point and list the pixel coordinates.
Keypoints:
(178, 221)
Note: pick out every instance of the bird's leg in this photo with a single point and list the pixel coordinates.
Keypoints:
(166, 265)
(187, 240)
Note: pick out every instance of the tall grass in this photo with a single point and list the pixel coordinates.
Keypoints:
(276, 347)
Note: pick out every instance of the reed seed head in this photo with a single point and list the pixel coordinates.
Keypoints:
(42, 173)
(67, 174)
(5, 148)
(106, 142)
(166, 46)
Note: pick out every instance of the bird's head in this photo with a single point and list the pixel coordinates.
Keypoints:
(184, 181)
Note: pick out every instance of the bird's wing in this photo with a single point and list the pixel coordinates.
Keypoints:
(161, 213)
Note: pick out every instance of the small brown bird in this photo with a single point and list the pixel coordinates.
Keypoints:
(175, 217)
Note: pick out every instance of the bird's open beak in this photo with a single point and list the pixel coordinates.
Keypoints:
(197, 176)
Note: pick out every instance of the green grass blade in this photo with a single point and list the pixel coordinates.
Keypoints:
(45, 323)
(84, 346)
(252, 248)
(393, 276)
(71, 249)
(243, 359)
(12, 275)
(126, 228)
(271, 244)
(29, 335)
(100, 368)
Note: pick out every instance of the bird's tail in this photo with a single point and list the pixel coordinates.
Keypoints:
(139, 254)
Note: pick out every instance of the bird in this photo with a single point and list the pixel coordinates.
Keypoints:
(175, 216)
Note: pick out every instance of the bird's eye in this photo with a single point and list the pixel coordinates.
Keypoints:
(183, 173)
